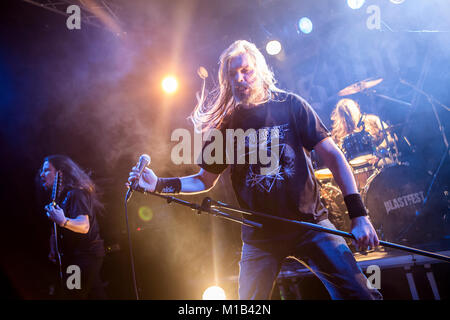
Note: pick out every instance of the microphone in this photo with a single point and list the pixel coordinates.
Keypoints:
(144, 161)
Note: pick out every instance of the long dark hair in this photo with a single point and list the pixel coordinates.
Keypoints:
(73, 177)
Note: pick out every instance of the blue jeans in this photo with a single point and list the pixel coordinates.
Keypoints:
(326, 254)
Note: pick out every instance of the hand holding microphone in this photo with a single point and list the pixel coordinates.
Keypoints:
(141, 177)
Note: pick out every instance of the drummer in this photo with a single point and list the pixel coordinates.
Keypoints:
(346, 117)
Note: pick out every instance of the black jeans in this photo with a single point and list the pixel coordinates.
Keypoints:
(327, 255)
(91, 286)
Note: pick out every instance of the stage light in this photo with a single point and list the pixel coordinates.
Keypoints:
(145, 213)
(355, 4)
(305, 25)
(170, 84)
(202, 72)
(397, 1)
(214, 293)
(273, 47)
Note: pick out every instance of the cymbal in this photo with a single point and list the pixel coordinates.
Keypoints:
(359, 86)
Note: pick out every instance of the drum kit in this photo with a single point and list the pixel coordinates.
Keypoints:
(392, 190)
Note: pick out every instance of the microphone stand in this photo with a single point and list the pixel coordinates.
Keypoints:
(444, 155)
(395, 159)
(206, 207)
(212, 206)
(373, 92)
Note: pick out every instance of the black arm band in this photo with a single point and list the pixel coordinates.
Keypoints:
(168, 185)
(355, 205)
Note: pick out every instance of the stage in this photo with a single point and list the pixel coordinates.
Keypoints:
(314, 100)
(403, 277)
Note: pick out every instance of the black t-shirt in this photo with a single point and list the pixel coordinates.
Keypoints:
(286, 186)
(78, 202)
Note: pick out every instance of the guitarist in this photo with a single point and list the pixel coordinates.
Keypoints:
(78, 236)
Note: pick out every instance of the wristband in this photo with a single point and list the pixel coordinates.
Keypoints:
(355, 205)
(65, 223)
(168, 185)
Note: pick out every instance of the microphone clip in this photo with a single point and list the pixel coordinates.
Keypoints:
(205, 206)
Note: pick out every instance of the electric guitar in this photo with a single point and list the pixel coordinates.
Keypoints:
(55, 192)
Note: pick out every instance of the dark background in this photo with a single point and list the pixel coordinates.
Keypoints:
(94, 94)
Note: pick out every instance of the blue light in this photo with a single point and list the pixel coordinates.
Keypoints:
(355, 4)
(305, 25)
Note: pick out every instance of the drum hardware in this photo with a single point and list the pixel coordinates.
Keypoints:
(393, 156)
(361, 122)
(391, 149)
(362, 170)
(430, 98)
(321, 172)
(401, 147)
(374, 93)
(362, 175)
(363, 87)
(432, 102)
(358, 148)
(397, 207)
(332, 198)
(411, 148)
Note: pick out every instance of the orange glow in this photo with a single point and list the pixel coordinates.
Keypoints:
(170, 84)
(214, 293)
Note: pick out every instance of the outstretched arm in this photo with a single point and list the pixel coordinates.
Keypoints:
(200, 182)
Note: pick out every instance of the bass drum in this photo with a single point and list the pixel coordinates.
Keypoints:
(392, 196)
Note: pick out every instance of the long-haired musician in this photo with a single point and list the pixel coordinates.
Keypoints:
(78, 235)
(347, 119)
(287, 126)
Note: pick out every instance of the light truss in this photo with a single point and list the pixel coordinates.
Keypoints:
(89, 11)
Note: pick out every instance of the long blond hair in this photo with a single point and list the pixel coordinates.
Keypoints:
(208, 115)
(345, 117)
